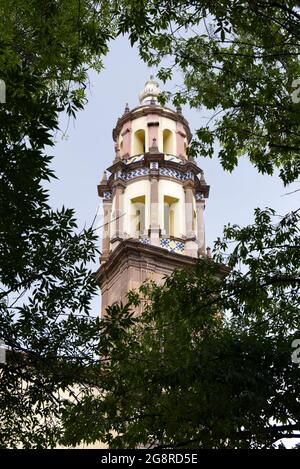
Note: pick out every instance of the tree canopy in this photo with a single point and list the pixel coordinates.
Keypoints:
(46, 281)
(208, 362)
(240, 60)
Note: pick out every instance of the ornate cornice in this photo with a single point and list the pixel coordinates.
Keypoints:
(131, 252)
(149, 164)
(142, 111)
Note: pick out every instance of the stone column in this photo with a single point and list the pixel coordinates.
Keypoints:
(180, 136)
(200, 206)
(106, 230)
(191, 247)
(154, 211)
(189, 212)
(118, 189)
(126, 134)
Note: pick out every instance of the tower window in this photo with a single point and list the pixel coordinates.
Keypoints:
(137, 216)
(168, 142)
(170, 206)
(139, 142)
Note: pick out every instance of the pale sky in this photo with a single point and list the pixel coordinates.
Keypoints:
(88, 150)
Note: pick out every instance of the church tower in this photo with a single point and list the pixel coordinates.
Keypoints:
(153, 199)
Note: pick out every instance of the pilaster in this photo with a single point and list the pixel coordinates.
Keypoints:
(117, 218)
(154, 225)
(191, 247)
(107, 206)
(200, 207)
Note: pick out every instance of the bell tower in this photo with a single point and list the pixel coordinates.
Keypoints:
(153, 199)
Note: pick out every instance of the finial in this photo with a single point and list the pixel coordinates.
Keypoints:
(179, 109)
(150, 92)
(153, 148)
(126, 110)
(104, 178)
(202, 179)
(208, 252)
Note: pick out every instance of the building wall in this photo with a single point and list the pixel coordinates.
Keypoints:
(130, 264)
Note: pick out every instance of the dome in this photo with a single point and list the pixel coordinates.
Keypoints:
(150, 92)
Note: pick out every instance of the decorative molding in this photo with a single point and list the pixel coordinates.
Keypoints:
(169, 166)
(176, 174)
(142, 111)
(199, 196)
(107, 195)
(131, 174)
(125, 131)
(145, 240)
(154, 165)
(133, 159)
(174, 159)
(181, 133)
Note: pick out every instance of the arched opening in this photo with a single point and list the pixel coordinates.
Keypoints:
(139, 142)
(170, 205)
(137, 224)
(168, 142)
(184, 147)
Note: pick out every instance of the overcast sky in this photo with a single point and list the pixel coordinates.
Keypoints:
(88, 149)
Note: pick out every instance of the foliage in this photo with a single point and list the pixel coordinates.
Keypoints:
(208, 362)
(46, 284)
(240, 60)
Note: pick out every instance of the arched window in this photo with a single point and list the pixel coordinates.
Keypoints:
(170, 205)
(168, 142)
(139, 142)
(137, 227)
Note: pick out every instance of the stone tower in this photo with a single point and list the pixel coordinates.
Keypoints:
(153, 199)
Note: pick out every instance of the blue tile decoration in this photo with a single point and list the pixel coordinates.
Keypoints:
(176, 174)
(106, 195)
(118, 175)
(144, 240)
(166, 243)
(170, 172)
(133, 159)
(131, 174)
(137, 172)
(173, 158)
(172, 245)
(199, 196)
